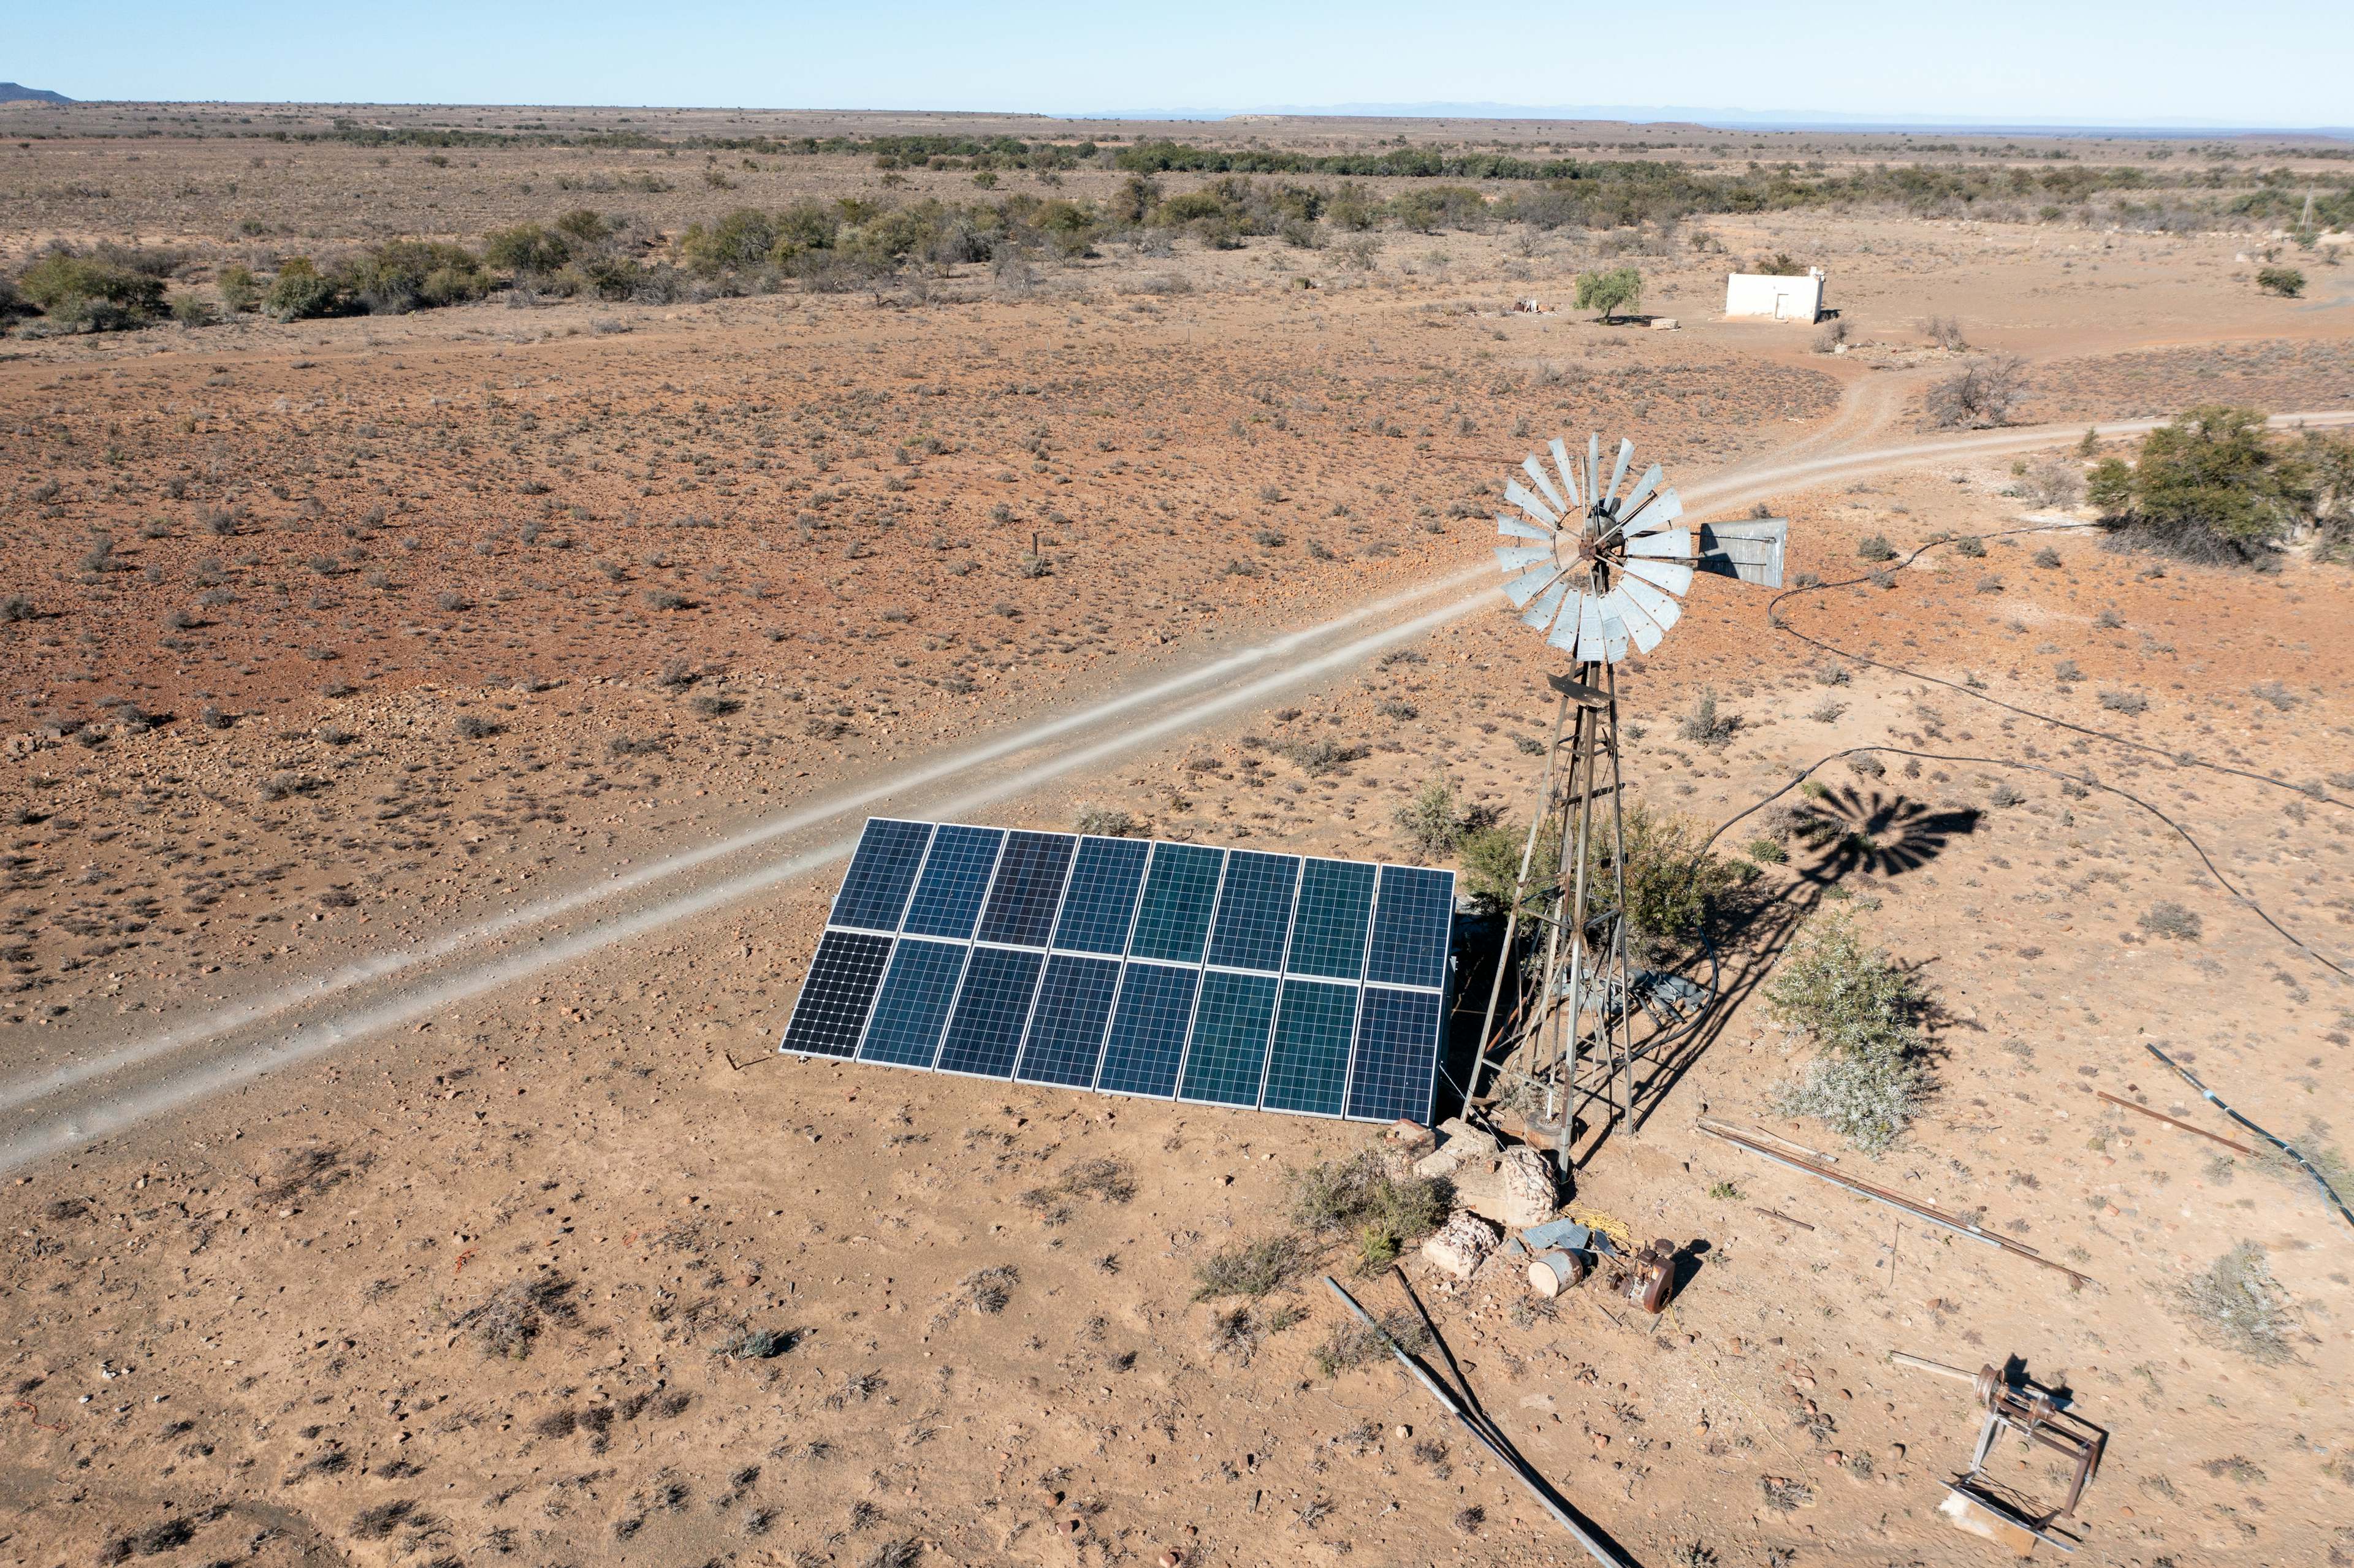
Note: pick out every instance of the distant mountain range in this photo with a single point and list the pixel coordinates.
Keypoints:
(18, 92)
(1738, 119)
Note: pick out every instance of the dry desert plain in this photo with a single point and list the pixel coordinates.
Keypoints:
(435, 734)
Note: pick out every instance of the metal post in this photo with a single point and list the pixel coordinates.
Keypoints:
(1622, 1044)
(1537, 815)
(1582, 788)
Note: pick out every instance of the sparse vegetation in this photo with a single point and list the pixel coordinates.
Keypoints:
(2237, 1304)
(1981, 397)
(1864, 1014)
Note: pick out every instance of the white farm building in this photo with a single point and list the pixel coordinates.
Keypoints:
(1783, 299)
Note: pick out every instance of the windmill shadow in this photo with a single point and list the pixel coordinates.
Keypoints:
(1881, 835)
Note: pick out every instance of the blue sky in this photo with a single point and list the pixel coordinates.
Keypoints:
(2255, 62)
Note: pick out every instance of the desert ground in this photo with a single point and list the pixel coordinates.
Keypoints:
(431, 737)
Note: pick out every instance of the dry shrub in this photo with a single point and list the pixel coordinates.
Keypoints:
(2237, 1304)
(517, 1313)
(1979, 399)
(1352, 1343)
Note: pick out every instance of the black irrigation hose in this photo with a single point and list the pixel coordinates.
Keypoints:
(2180, 758)
(2196, 848)
(2213, 1100)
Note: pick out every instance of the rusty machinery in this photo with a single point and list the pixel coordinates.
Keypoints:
(2041, 1418)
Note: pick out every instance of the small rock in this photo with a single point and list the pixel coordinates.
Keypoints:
(1461, 1245)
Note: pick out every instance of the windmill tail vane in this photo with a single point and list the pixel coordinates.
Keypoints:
(1601, 569)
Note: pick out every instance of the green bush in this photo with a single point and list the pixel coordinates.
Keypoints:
(526, 247)
(1619, 289)
(2211, 486)
(1673, 885)
(2285, 282)
(1358, 1197)
(82, 293)
(300, 291)
(1489, 859)
(404, 275)
(239, 291)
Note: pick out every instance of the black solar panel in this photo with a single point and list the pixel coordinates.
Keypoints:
(836, 994)
(1238, 978)
(1028, 889)
(875, 890)
(1255, 910)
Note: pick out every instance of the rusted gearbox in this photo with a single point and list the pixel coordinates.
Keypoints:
(2041, 1418)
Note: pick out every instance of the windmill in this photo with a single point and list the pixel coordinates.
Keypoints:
(1601, 575)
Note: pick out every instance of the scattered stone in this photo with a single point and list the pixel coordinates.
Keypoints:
(1461, 1245)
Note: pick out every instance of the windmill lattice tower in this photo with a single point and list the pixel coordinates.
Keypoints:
(1600, 574)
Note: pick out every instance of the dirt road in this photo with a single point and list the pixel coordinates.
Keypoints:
(66, 1107)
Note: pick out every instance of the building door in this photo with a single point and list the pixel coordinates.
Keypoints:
(1781, 302)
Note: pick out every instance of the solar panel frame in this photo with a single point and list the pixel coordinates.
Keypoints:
(1167, 983)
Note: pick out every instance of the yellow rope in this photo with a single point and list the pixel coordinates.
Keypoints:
(1619, 1231)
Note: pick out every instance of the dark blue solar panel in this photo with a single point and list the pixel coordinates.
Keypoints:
(1255, 910)
(1148, 1030)
(1327, 934)
(836, 993)
(1067, 1031)
(874, 889)
(956, 876)
(991, 1013)
(1397, 1055)
(1227, 1057)
(1307, 1069)
(1178, 896)
(914, 1003)
(1029, 886)
(1102, 896)
(1413, 919)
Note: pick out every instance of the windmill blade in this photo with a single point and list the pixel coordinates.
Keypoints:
(1593, 467)
(1590, 644)
(1546, 605)
(1615, 635)
(1668, 574)
(1669, 542)
(1505, 525)
(1750, 550)
(1535, 470)
(1522, 588)
(1664, 509)
(1529, 504)
(1565, 631)
(1639, 626)
(1520, 558)
(1642, 492)
(1626, 456)
(1663, 610)
(1568, 471)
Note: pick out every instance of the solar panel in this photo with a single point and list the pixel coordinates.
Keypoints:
(1029, 887)
(1413, 914)
(1308, 1065)
(1147, 1043)
(1179, 894)
(834, 997)
(875, 888)
(1101, 902)
(914, 1003)
(956, 876)
(1397, 1055)
(991, 1013)
(1336, 905)
(1255, 910)
(1066, 1032)
(1227, 977)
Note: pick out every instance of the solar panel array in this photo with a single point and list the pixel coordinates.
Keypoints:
(1132, 966)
